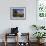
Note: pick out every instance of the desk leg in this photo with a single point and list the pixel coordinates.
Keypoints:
(5, 40)
(17, 40)
(5, 43)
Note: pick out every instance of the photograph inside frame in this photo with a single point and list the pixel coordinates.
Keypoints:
(17, 13)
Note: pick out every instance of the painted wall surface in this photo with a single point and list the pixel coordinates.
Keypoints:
(24, 25)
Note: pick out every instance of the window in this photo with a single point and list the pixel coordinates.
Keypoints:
(41, 8)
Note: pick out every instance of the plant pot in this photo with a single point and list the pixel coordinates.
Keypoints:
(42, 40)
(38, 40)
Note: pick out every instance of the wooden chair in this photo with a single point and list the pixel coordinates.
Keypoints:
(25, 36)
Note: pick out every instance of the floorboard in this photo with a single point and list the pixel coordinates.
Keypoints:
(13, 44)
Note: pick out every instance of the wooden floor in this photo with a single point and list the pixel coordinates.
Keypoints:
(13, 44)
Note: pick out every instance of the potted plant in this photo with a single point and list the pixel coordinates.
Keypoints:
(39, 35)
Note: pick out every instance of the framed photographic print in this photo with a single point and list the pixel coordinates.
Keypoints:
(17, 13)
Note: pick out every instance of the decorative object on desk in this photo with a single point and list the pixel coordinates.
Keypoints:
(14, 30)
(18, 13)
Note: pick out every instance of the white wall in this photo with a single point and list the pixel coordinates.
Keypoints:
(24, 25)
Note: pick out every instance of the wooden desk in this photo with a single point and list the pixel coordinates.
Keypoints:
(17, 43)
(8, 34)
